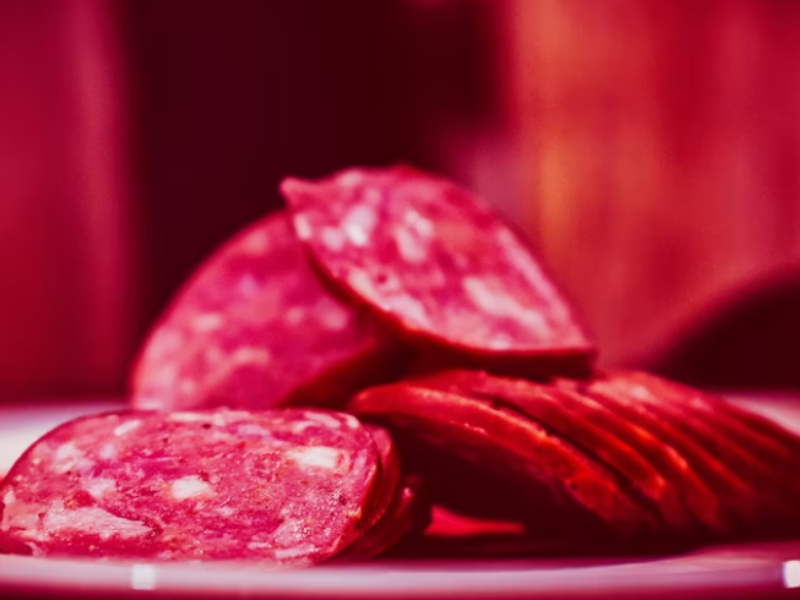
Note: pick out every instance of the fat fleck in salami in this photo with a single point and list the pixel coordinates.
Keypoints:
(440, 265)
(255, 328)
(287, 488)
(473, 454)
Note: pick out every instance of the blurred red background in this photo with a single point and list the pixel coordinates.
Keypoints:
(651, 149)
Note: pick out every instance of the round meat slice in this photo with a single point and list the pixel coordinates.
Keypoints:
(757, 511)
(409, 513)
(545, 405)
(441, 266)
(286, 488)
(255, 328)
(764, 439)
(481, 457)
(700, 500)
(773, 482)
(389, 483)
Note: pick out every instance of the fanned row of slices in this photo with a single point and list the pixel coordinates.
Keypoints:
(385, 344)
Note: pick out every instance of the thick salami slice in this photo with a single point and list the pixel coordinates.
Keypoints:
(545, 405)
(255, 328)
(285, 487)
(438, 264)
(758, 510)
(474, 455)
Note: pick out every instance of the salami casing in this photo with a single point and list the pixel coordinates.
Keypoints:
(255, 328)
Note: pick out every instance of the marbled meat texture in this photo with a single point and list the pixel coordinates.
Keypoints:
(255, 328)
(436, 262)
(287, 488)
(546, 478)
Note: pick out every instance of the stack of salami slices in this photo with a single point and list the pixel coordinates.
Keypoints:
(385, 345)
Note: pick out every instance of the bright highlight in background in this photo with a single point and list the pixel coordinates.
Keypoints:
(791, 573)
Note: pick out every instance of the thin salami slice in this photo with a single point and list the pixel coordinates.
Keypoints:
(545, 405)
(545, 479)
(408, 514)
(757, 510)
(389, 482)
(764, 438)
(707, 508)
(773, 483)
(437, 263)
(286, 488)
(255, 328)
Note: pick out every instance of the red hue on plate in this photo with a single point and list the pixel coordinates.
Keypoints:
(733, 571)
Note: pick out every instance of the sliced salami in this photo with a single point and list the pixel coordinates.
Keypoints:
(440, 265)
(708, 509)
(389, 482)
(760, 436)
(770, 483)
(542, 479)
(408, 514)
(546, 406)
(758, 510)
(287, 488)
(255, 328)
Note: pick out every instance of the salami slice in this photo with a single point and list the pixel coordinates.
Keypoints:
(708, 509)
(408, 514)
(255, 328)
(389, 482)
(765, 439)
(758, 511)
(546, 406)
(454, 440)
(287, 488)
(437, 263)
(769, 484)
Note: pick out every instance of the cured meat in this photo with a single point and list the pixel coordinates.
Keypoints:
(769, 485)
(408, 514)
(764, 438)
(756, 510)
(456, 440)
(255, 328)
(437, 263)
(546, 406)
(287, 488)
(389, 483)
(706, 507)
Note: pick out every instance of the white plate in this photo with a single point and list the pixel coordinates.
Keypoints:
(736, 571)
